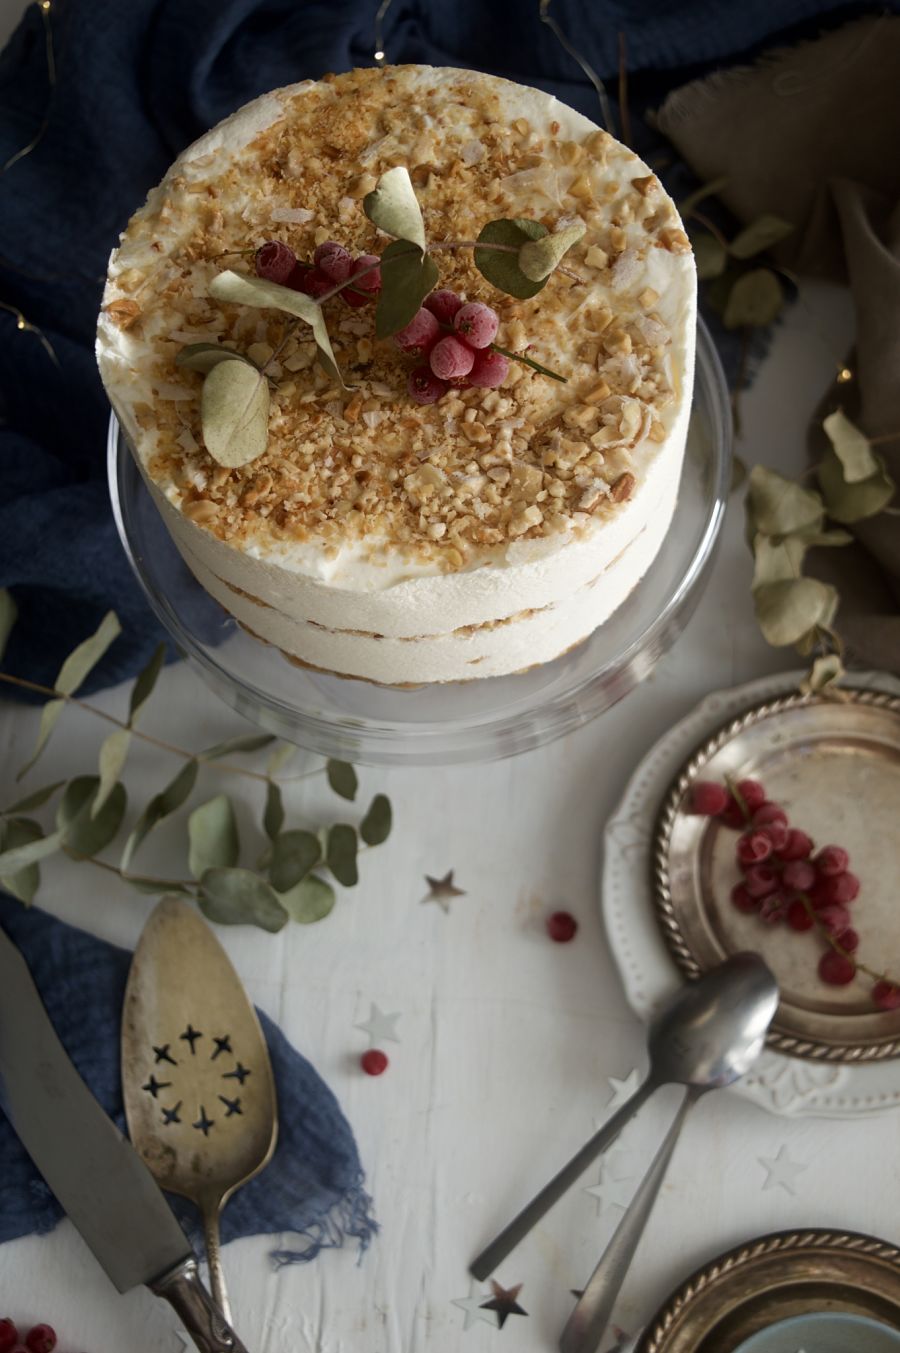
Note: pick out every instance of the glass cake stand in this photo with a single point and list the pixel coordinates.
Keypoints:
(481, 720)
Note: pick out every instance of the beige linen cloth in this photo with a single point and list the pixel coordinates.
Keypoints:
(812, 134)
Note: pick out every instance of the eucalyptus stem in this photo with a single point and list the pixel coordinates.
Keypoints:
(188, 885)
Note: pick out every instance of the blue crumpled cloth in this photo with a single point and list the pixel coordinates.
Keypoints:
(312, 1193)
(136, 83)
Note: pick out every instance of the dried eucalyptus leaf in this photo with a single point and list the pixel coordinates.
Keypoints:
(342, 778)
(280, 757)
(23, 883)
(161, 805)
(8, 613)
(273, 816)
(779, 557)
(754, 301)
(113, 755)
(852, 448)
(376, 825)
(86, 656)
(294, 854)
(234, 412)
(156, 887)
(502, 269)
(213, 836)
(406, 279)
(392, 205)
(538, 258)
(251, 742)
(311, 900)
(15, 859)
(340, 855)
(787, 610)
(49, 715)
(853, 502)
(204, 356)
(145, 682)
(710, 256)
(777, 506)
(36, 799)
(243, 290)
(83, 832)
(759, 235)
(239, 897)
(825, 671)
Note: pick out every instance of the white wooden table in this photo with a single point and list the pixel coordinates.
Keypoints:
(511, 1046)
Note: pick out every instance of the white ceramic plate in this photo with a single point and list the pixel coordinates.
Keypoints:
(781, 1084)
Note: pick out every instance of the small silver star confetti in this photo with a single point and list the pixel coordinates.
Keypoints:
(380, 1027)
(442, 890)
(781, 1170)
(505, 1302)
(475, 1311)
(624, 1089)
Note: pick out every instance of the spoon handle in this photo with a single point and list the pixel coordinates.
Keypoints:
(211, 1210)
(503, 1244)
(587, 1323)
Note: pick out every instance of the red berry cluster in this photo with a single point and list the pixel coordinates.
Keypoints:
(456, 338)
(784, 881)
(39, 1339)
(332, 264)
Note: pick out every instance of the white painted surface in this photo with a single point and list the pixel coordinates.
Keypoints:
(508, 1041)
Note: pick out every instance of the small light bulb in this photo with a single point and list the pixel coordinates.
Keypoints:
(844, 375)
(45, 5)
(20, 323)
(379, 56)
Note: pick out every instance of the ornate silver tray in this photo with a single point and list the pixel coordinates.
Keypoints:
(834, 765)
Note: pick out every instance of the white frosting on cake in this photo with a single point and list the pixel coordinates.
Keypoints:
(394, 597)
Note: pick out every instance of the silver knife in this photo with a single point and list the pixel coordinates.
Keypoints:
(93, 1170)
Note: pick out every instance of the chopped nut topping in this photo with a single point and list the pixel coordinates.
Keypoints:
(674, 240)
(622, 488)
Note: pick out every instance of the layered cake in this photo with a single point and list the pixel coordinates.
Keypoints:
(368, 533)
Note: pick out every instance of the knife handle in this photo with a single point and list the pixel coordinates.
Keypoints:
(197, 1311)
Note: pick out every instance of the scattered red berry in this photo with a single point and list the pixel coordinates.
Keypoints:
(753, 794)
(732, 815)
(742, 899)
(753, 848)
(311, 282)
(424, 386)
(420, 334)
(799, 875)
(334, 261)
(798, 917)
(797, 846)
(834, 917)
(489, 369)
(450, 357)
(760, 879)
(886, 995)
(477, 324)
(848, 940)
(707, 798)
(371, 282)
(777, 832)
(41, 1339)
(443, 305)
(773, 907)
(836, 969)
(275, 261)
(374, 1062)
(9, 1335)
(766, 813)
(842, 888)
(561, 927)
(832, 860)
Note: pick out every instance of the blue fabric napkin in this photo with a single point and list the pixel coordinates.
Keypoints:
(312, 1192)
(136, 83)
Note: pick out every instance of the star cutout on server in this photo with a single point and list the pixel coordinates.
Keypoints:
(380, 1027)
(203, 1124)
(154, 1086)
(504, 1302)
(163, 1055)
(781, 1170)
(232, 1106)
(623, 1089)
(240, 1074)
(222, 1045)
(442, 890)
(191, 1035)
(171, 1115)
(474, 1309)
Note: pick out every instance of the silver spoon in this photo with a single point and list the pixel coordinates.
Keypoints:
(706, 1036)
(748, 998)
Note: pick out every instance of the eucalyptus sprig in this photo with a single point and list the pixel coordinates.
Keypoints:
(287, 883)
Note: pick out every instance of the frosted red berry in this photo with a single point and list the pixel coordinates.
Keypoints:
(836, 969)
(41, 1339)
(773, 907)
(797, 846)
(424, 386)
(848, 940)
(842, 888)
(9, 1335)
(831, 860)
(742, 899)
(766, 813)
(777, 832)
(275, 261)
(371, 281)
(374, 1062)
(449, 357)
(477, 323)
(732, 815)
(489, 369)
(798, 917)
(886, 995)
(707, 798)
(561, 927)
(443, 305)
(834, 917)
(333, 260)
(753, 848)
(420, 334)
(753, 794)
(760, 879)
(799, 875)
(311, 282)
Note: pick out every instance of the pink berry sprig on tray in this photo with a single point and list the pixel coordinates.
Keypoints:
(784, 881)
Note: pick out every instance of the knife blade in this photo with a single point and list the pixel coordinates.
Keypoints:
(97, 1176)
